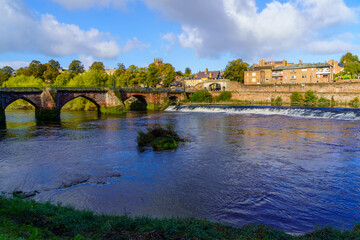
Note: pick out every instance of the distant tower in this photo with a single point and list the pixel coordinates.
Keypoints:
(158, 61)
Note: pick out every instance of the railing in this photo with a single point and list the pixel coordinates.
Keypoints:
(21, 89)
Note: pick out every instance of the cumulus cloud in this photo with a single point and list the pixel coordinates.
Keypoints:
(239, 27)
(15, 64)
(135, 43)
(20, 30)
(85, 4)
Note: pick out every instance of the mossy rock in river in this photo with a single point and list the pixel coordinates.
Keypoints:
(159, 139)
(164, 143)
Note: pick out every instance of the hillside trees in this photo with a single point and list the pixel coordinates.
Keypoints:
(235, 69)
(5, 73)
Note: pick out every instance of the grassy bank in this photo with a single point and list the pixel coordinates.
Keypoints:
(21, 219)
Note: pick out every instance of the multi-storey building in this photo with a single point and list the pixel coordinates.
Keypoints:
(300, 73)
(262, 73)
(202, 77)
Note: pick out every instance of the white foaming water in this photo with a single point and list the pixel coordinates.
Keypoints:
(327, 113)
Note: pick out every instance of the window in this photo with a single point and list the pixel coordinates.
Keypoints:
(293, 71)
(293, 77)
(304, 70)
(304, 76)
(253, 74)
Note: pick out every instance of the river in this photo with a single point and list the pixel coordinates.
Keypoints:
(293, 169)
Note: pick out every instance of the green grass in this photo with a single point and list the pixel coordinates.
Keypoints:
(24, 219)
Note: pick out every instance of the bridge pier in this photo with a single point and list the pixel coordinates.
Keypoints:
(2, 116)
(44, 115)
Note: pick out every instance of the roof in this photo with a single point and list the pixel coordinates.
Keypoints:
(214, 74)
(260, 68)
(303, 65)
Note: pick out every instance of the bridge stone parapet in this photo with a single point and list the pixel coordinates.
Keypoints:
(48, 103)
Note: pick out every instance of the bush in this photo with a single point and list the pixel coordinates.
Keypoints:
(310, 98)
(24, 81)
(332, 102)
(355, 103)
(201, 96)
(159, 138)
(323, 102)
(296, 99)
(224, 96)
(277, 101)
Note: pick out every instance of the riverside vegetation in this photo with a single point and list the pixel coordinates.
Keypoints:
(159, 139)
(27, 219)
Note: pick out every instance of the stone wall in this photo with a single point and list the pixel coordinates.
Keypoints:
(342, 92)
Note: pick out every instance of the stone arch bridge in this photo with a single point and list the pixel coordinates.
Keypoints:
(48, 103)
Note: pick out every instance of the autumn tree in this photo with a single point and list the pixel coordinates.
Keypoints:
(235, 69)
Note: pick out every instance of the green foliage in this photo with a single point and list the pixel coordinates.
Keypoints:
(52, 71)
(310, 98)
(235, 70)
(153, 75)
(188, 71)
(296, 99)
(76, 67)
(120, 70)
(201, 96)
(94, 78)
(355, 103)
(323, 102)
(24, 81)
(64, 78)
(332, 102)
(97, 66)
(159, 138)
(20, 219)
(5, 73)
(37, 69)
(80, 104)
(277, 101)
(223, 97)
(349, 57)
(169, 75)
(352, 68)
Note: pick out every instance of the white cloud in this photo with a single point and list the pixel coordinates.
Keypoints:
(87, 61)
(20, 30)
(170, 37)
(135, 43)
(15, 64)
(85, 4)
(331, 47)
(239, 27)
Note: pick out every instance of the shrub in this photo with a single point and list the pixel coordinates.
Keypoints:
(323, 102)
(296, 99)
(201, 96)
(277, 101)
(310, 98)
(355, 103)
(224, 96)
(159, 138)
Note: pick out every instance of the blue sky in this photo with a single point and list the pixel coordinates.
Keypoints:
(189, 33)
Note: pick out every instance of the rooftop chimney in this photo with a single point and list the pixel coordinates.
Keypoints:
(300, 62)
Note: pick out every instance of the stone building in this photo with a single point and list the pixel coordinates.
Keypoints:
(300, 73)
(202, 77)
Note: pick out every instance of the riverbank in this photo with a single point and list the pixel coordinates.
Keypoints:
(27, 219)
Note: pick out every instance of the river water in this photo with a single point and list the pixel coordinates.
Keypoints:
(293, 169)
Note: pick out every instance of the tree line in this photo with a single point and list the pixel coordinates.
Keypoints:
(37, 74)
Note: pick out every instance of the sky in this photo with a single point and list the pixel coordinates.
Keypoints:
(186, 33)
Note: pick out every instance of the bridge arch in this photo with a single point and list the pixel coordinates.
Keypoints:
(12, 100)
(98, 107)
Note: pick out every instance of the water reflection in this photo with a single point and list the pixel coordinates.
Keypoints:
(290, 173)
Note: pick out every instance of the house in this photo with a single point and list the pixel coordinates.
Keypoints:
(201, 77)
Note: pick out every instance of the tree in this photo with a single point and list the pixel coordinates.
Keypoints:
(169, 75)
(353, 68)
(37, 69)
(234, 71)
(5, 73)
(97, 66)
(310, 98)
(76, 67)
(119, 70)
(296, 99)
(52, 71)
(349, 57)
(24, 81)
(153, 75)
(188, 71)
